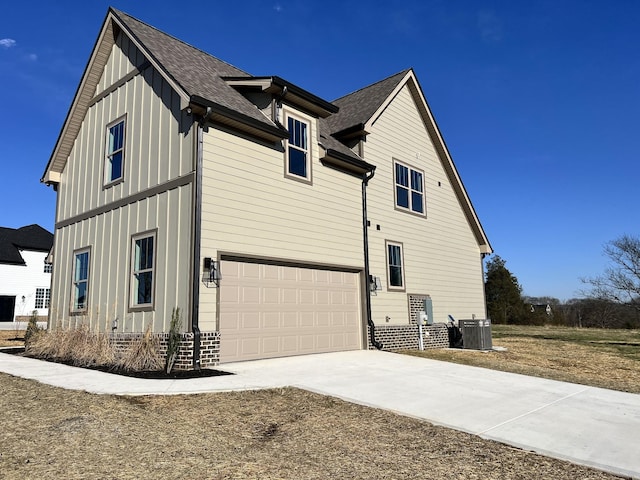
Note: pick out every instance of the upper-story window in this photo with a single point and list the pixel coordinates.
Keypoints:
(48, 267)
(114, 162)
(409, 192)
(298, 156)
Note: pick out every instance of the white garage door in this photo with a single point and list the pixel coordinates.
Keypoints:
(276, 311)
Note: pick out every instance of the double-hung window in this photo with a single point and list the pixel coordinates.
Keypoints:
(409, 188)
(298, 164)
(43, 297)
(142, 270)
(80, 280)
(395, 266)
(114, 162)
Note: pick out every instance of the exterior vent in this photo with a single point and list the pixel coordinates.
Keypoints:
(476, 334)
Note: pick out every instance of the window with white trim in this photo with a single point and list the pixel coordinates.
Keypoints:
(48, 267)
(298, 156)
(142, 270)
(114, 162)
(409, 188)
(395, 266)
(80, 287)
(43, 297)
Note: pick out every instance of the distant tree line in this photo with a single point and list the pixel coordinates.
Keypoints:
(612, 300)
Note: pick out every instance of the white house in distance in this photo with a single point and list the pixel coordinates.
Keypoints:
(278, 222)
(25, 276)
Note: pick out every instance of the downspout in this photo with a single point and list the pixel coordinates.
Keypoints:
(367, 275)
(197, 231)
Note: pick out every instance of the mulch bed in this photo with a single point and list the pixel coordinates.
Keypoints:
(150, 374)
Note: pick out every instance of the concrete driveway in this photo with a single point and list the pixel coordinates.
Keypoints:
(586, 425)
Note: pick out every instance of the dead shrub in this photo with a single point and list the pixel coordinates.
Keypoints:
(142, 354)
(80, 347)
(83, 348)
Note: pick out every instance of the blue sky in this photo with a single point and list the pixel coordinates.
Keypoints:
(538, 101)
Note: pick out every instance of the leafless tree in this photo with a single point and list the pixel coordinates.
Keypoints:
(620, 282)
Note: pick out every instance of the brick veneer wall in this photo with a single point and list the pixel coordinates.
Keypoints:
(209, 347)
(405, 337)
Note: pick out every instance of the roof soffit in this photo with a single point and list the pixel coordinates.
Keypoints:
(84, 93)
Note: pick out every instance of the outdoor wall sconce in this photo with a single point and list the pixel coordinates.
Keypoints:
(374, 284)
(211, 275)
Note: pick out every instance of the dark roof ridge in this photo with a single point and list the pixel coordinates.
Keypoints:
(120, 12)
(403, 72)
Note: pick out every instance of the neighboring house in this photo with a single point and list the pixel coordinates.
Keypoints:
(278, 222)
(541, 307)
(25, 275)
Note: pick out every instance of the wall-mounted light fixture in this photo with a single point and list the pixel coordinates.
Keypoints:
(211, 272)
(374, 284)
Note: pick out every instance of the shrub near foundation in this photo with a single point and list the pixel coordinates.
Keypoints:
(83, 348)
(142, 355)
(79, 347)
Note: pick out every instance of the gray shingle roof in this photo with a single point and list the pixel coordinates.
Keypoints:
(31, 237)
(198, 73)
(358, 107)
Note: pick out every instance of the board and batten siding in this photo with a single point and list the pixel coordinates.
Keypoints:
(441, 254)
(108, 235)
(158, 138)
(159, 148)
(249, 208)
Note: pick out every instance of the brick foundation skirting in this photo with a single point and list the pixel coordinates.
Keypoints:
(209, 347)
(405, 337)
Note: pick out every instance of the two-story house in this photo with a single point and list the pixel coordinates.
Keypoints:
(278, 222)
(25, 273)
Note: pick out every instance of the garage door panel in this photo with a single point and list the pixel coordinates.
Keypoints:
(290, 344)
(270, 310)
(251, 320)
(270, 345)
(251, 295)
(271, 320)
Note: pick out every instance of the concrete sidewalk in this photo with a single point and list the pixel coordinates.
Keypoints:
(586, 425)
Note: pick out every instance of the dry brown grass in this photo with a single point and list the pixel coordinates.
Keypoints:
(274, 434)
(142, 355)
(600, 358)
(11, 338)
(79, 346)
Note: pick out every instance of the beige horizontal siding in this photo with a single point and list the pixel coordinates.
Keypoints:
(441, 254)
(250, 208)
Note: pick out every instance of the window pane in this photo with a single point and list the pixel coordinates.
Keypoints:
(416, 202)
(416, 180)
(116, 166)
(402, 197)
(80, 296)
(297, 162)
(303, 136)
(144, 286)
(143, 254)
(82, 264)
(116, 136)
(395, 276)
(402, 175)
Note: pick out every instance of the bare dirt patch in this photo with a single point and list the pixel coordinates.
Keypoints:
(49, 432)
